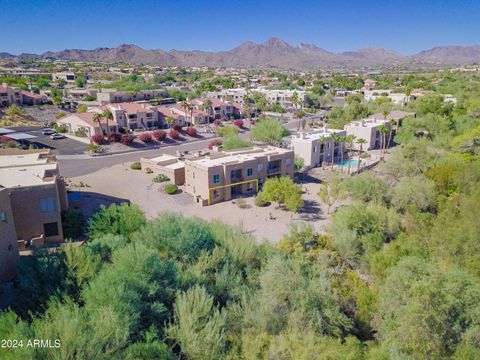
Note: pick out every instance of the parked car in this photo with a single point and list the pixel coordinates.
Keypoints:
(57, 136)
(48, 131)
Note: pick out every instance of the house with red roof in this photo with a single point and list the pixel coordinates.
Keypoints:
(128, 116)
(9, 96)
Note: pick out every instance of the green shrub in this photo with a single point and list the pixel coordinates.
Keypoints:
(260, 201)
(61, 129)
(241, 203)
(82, 108)
(160, 178)
(60, 114)
(170, 189)
(81, 132)
(227, 131)
(234, 142)
(94, 148)
(148, 171)
(73, 224)
(89, 98)
(136, 166)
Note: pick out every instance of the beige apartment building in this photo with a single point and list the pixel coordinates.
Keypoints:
(368, 129)
(222, 176)
(36, 193)
(118, 96)
(8, 239)
(130, 116)
(168, 165)
(318, 147)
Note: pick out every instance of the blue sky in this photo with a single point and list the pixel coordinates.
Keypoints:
(406, 26)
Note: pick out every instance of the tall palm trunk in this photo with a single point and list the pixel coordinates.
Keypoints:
(324, 155)
(348, 155)
(340, 146)
(359, 158)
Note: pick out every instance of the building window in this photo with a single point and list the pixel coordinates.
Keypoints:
(260, 167)
(47, 205)
(216, 179)
(314, 149)
(216, 193)
(50, 229)
(249, 171)
(288, 162)
(4, 217)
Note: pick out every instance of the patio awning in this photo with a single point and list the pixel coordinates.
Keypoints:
(6, 131)
(20, 136)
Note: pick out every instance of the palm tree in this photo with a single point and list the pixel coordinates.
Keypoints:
(107, 115)
(97, 117)
(190, 107)
(360, 142)
(170, 121)
(384, 130)
(299, 115)
(392, 123)
(385, 114)
(294, 99)
(342, 140)
(349, 140)
(324, 140)
(336, 139)
(184, 104)
(207, 106)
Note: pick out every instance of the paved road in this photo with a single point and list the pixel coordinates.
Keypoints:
(80, 166)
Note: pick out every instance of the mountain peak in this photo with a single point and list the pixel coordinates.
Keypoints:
(275, 42)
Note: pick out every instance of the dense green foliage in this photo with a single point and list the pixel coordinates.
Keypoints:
(269, 130)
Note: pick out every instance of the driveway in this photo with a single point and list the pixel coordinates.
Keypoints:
(60, 147)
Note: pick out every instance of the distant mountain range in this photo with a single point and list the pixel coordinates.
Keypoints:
(272, 53)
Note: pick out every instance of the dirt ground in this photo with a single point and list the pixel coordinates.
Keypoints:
(119, 183)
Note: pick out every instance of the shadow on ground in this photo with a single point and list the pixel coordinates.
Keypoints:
(89, 202)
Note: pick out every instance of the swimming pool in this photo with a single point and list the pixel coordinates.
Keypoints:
(353, 163)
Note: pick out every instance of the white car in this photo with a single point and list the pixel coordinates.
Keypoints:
(57, 136)
(48, 131)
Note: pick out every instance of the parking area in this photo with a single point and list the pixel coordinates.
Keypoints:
(64, 146)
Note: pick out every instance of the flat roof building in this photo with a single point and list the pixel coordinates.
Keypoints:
(222, 176)
(317, 148)
(36, 193)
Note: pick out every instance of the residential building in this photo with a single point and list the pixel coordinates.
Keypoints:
(80, 93)
(395, 98)
(193, 116)
(37, 195)
(368, 129)
(219, 109)
(133, 115)
(369, 84)
(108, 96)
(69, 77)
(8, 238)
(222, 176)
(129, 116)
(84, 121)
(283, 97)
(168, 165)
(9, 96)
(316, 148)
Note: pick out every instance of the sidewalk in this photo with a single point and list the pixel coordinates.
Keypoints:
(153, 148)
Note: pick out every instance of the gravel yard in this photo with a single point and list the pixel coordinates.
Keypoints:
(269, 223)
